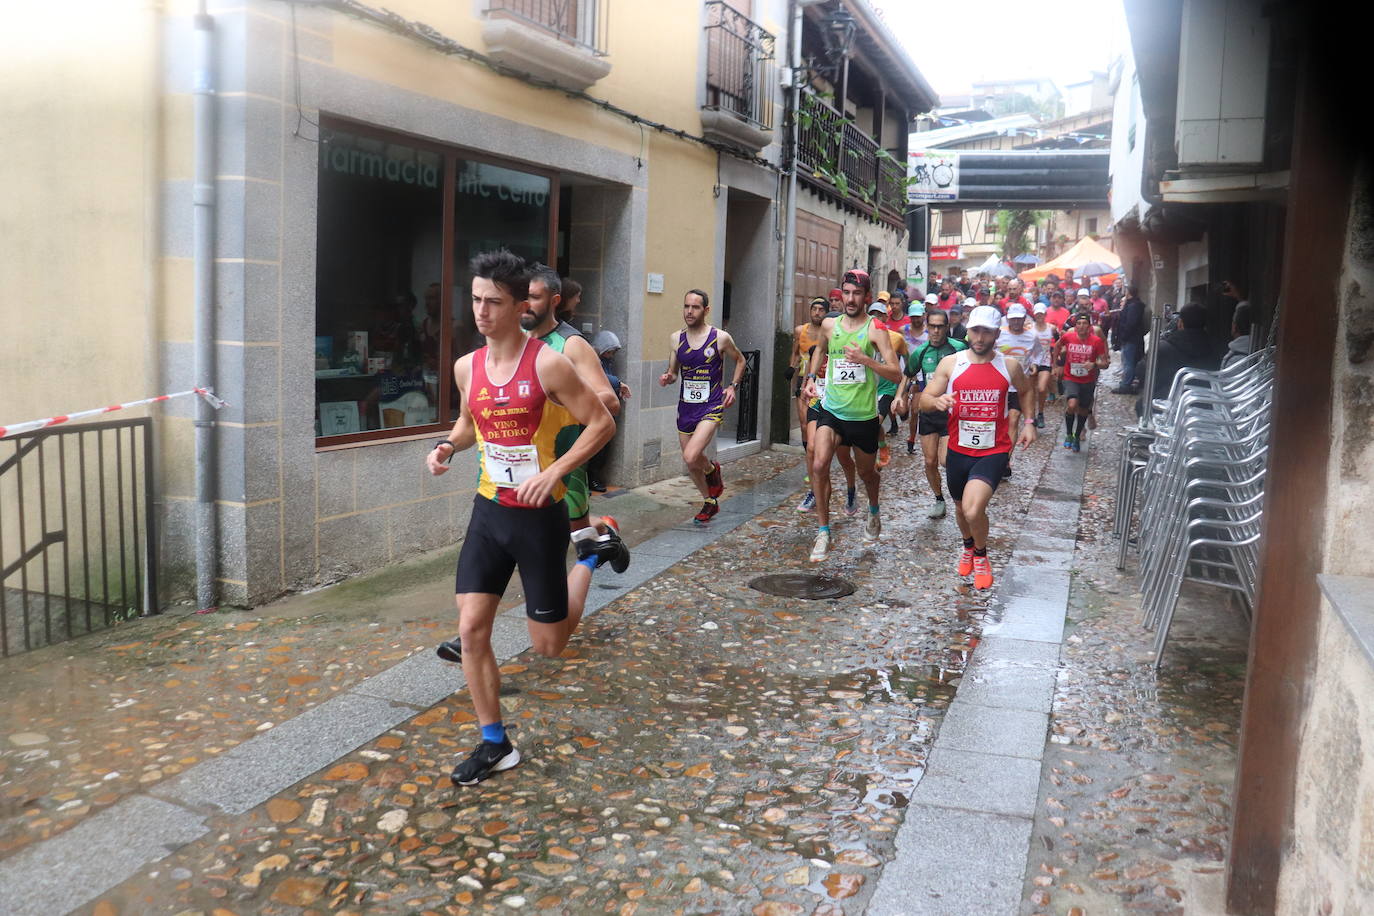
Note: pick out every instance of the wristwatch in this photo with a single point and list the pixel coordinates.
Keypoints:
(451, 449)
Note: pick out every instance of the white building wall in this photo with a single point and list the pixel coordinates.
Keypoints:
(1128, 139)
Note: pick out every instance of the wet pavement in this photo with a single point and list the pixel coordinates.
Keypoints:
(91, 721)
(1134, 807)
(701, 747)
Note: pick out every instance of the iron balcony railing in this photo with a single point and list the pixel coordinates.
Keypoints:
(835, 155)
(78, 544)
(739, 65)
(580, 22)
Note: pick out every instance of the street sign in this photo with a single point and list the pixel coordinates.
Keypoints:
(944, 252)
(917, 266)
(934, 174)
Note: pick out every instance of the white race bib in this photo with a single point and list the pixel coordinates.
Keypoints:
(510, 465)
(820, 387)
(847, 373)
(1080, 370)
(696, 391)
(977, 433)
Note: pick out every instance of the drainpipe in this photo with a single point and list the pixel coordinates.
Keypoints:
(152, 253)
(203, 235)
(789, 252)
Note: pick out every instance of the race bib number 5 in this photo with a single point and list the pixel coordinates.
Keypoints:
(848, 373)
(510, 465)
(977, 433)
(696, 391)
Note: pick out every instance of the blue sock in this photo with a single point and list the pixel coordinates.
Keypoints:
(825, 528)
(872, 510)
(589, 562)
(495, 733)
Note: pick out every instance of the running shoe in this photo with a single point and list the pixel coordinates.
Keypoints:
(851, 502)
(1076, 446)
(808, 502)
(607, 548)
(1040, 420)
(965, 562)
(982, 572)
(884, 455)
(708, 510)
(488, 758)
(1068, 442)
(911, 446)
(937, 509)
(715, 484)
(873, 527)
(821, 547)
(1092, 419)
(450, 650)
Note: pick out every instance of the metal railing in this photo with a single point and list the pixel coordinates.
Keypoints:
(77, 535)
(748, 393)
(740, 64)
(836, 155)
(580, 22)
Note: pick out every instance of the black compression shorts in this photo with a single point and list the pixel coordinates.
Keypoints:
(961, 468)
(501, 539)
(1083, 391)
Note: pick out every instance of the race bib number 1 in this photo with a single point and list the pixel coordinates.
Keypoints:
(848, 373)
(510, 465)
(977, 433)
(696, 391)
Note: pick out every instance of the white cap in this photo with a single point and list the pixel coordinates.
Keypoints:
(932, 299)
(970, 303)
(1016, 311)
(985, 316)
(1039, 308)
(877, 308)
(1083, 291)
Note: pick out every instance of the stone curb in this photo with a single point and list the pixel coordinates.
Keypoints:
(965, 840)
(72, 869)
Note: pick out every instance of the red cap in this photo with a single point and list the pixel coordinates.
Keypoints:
(836, 293)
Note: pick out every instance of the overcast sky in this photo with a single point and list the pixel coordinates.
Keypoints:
(975, 40)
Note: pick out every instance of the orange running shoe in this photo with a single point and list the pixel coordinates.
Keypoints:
(982, 572)
(965, 562)
(884, 455)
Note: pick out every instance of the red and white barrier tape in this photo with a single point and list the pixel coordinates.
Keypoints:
(31, 425)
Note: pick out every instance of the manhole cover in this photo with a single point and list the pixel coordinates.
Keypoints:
(800, 585)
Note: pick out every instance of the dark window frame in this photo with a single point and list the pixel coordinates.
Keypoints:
(451, 154)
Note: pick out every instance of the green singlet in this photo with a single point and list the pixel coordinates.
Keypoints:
(579, 495)
(921, 365)
(851, 390)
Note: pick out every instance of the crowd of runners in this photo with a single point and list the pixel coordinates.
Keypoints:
(970, 380)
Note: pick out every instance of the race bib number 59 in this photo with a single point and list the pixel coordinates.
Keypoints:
(696, 391)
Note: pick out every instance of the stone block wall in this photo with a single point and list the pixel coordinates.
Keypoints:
(1330, 867)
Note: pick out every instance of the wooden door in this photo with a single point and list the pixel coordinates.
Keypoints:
(819, 244)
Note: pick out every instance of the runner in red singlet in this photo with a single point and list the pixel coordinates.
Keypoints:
(1080, 353)
(982, 390)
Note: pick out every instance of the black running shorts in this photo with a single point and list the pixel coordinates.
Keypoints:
(932, 422)
(961, 468)
(501, 539)
(813, 413)
(1084, 391)
(860, 434)
(885, 406)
